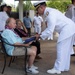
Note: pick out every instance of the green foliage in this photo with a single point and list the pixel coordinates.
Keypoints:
(58, 4)
(27, 5)
(60, 0)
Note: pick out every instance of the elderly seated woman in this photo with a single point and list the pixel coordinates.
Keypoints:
(10, 36)
(23, 33)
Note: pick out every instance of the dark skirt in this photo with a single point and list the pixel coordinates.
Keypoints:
(37, 44)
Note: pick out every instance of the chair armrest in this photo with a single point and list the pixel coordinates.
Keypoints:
(18, 45)
(9, 43)
(12, 44)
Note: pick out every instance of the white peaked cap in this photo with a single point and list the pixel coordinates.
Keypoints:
(39, 2)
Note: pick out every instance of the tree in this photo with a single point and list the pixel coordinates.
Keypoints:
(58, 4)
(60, 0)
(27, 5)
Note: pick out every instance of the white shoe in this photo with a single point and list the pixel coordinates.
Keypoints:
(53, 71)
(34, 67)
(32, 70)
(49, 38)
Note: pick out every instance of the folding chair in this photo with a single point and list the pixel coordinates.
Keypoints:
(11, 57)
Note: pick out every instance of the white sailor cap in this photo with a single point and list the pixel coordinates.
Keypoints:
(38, 4)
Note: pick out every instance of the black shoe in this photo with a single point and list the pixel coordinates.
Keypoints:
(38, 57)
(73, 55)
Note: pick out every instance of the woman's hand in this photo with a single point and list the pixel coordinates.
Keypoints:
(28, 44)
(37, 36)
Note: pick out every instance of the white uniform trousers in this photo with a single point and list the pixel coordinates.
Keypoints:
(37, 29)
(64, 49)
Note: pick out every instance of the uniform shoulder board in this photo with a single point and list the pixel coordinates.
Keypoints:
(47, 13)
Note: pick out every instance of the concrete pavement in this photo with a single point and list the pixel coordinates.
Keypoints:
(48, 54)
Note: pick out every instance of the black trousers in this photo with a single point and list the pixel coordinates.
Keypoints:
(37, 44)
(29, 31)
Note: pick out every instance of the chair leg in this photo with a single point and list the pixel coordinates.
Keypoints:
(25, 61)
(10, 62)
(4, 64)
(14, 58)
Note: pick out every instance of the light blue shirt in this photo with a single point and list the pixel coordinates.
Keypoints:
(27, 22)
(10, 37)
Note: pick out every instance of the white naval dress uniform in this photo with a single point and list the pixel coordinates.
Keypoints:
(56, 21)
(37, 24)
(3, 18)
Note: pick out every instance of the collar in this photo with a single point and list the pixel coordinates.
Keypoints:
(46, 10)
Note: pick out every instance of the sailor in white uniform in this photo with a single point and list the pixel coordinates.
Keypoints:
(70, 13)
(37, 23)
(56, 21)
(3, 16)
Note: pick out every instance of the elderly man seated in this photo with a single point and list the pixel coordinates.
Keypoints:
(10, 36)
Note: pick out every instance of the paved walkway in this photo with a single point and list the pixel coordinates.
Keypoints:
(48, 54)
